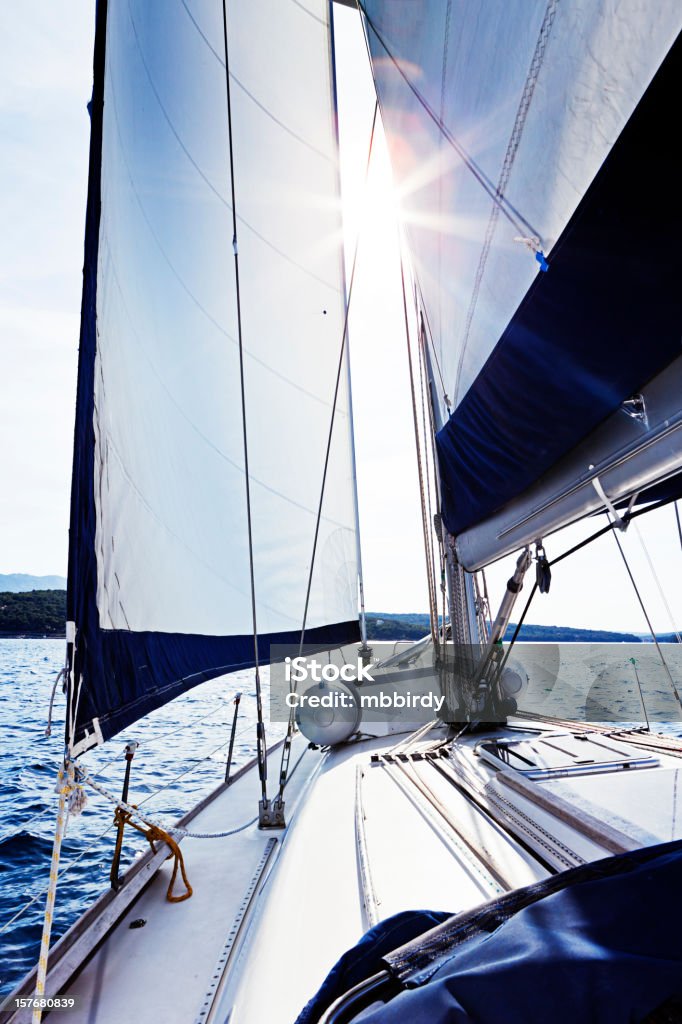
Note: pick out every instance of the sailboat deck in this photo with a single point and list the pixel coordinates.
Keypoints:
(378, 826)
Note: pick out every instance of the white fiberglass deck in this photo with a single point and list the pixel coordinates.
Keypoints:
(378, 826)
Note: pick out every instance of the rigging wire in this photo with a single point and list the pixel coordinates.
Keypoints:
(609, 528)
(260, 726)
(657, 581)
(505, 172)
(286, 748)
(427, 395)
(427, 448)
(508, 211)
(633, 662)
(193, 766)
(646, 616)
(433, 605)
(201, 173)
(429, 331)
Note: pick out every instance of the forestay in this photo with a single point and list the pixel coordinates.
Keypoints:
(159, 580)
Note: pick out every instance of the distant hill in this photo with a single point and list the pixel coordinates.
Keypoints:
(410, 626)
(20, 583)
(42, 612)
(566, 634)
(387, 626)
(36, 613)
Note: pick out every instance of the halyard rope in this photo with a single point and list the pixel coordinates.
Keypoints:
(60, 675)
(428, 434)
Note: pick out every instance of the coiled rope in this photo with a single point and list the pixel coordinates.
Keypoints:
(154, 834)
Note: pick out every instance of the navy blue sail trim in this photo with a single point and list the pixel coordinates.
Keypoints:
(589, 333)
(82, 564)
(127, 674)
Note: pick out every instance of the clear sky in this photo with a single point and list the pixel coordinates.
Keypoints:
(45, 82)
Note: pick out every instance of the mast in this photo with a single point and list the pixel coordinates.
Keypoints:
(460, 584)
(364, 649)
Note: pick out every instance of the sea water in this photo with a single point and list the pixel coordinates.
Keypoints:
(182, 757)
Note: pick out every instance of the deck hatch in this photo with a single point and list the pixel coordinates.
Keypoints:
(562, 753)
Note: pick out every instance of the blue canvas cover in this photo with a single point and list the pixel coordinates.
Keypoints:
(364, 959)
(604, 946)
(589, 333)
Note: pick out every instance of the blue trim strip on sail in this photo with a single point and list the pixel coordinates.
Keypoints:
(127, 674)
(81, 585)
(589, 333)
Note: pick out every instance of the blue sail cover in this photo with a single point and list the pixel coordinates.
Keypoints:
(602, 946)
(589, 333)
(159, 582)
(533, 126)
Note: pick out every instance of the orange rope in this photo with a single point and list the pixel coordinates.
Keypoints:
(154, 834)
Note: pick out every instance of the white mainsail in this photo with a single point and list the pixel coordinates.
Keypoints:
(171, 536)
